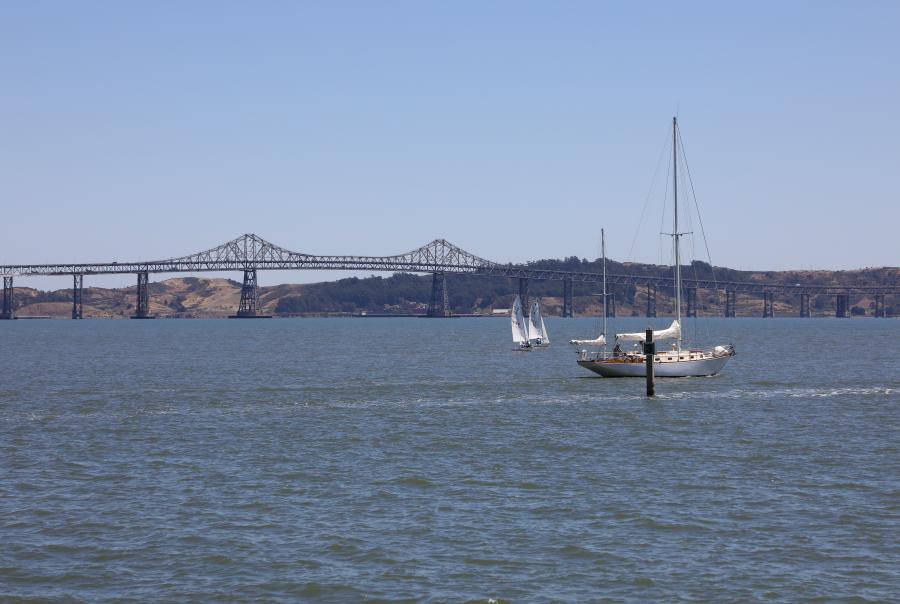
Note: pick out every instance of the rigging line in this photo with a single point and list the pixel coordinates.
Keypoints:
(647, 198)
(692, 240)
(689, 220)
(664, 256)
(662, 217)
(659, 255)
(700, 219)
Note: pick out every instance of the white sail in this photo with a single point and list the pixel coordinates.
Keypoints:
(534, 332)
(518, 322)
(672, 332)
(536, 320)
(544, 335)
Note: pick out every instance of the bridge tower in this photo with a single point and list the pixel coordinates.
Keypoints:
(768, 305)
(7, 310)
(77, 296)
(523, 295)
(841, 303)
(611, 303)
(879, 305)
(439, 306)
(804, 305)
(143, 296)
(248, 308)
(568, 297)
(730, 302)
(651, 300)
(690, 295)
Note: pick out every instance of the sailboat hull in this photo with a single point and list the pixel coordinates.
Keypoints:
(636, 367)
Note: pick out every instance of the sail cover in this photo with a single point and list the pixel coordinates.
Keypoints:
(672, 332)
(518, 322)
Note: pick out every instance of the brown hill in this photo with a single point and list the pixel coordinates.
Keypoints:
(176, 297)
(188, 297)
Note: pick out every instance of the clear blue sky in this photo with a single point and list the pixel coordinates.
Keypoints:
(131, 131)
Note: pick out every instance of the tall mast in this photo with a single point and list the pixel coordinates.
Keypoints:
(603, 252)
(675, 233)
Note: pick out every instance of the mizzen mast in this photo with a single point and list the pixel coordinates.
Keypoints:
(603, 253)
(675, 234)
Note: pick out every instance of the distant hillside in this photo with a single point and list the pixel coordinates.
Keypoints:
(406, 293)
(178, 297)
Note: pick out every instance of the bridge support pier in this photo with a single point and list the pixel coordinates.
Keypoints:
(690, 295)
(804, 305)
(568, 298)
(248, 308)
(439, 306)
(143, 297)
(77, 296)
(651, 301)
(730, 303)
(6, 309)
(768, 305)
(841, 304)
(611, 303)
(879, 305)
(523, 295)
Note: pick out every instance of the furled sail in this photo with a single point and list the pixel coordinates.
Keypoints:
(596, 342)
(518, 322)
(672, 332)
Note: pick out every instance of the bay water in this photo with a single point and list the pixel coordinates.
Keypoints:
(344, 460)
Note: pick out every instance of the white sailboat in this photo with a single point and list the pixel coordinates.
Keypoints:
(519, 328)
(677, 362)
(537, 331)
(601, 339)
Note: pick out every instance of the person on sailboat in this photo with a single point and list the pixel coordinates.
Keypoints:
(617, 351)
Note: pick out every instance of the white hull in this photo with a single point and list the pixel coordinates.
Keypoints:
(635, 366)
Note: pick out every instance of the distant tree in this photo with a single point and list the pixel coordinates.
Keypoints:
(857, 311)
(290, 305)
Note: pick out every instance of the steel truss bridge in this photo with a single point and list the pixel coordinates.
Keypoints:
(250, 253)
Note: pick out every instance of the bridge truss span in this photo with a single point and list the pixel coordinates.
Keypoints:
(253, 252)
(250, 253)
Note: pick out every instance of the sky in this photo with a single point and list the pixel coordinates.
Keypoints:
(517, 130)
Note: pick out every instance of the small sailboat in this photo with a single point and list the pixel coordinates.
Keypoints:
(601, 339)
(519, 328)
(537, 330)
(677, 362)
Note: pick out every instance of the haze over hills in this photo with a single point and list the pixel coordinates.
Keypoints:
(403, 293)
